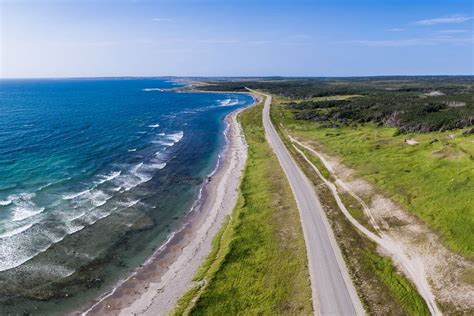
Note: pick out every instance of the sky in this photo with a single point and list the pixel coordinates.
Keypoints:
(105, 38)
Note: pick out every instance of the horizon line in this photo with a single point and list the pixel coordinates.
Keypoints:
(234, 77)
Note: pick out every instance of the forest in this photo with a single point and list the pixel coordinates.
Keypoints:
(411, 104)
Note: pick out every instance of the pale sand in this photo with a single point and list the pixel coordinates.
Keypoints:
(156, 286)
(411, 141)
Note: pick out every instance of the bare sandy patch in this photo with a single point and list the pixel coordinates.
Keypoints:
(434, 93)
(455, 104)
(411, 141)
(443, 268)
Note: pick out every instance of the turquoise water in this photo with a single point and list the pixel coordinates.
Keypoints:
(94, 175)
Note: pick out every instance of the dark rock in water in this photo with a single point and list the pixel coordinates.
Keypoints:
(434, 140)
(106, 243)
(468, 132)
(143, 223)
(187, 180)
(122, 264)
(94, 283)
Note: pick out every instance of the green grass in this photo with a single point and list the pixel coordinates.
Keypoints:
(329, 98)
(355, 209)
(382, 289)
(218, 250)
(258, 264)
(400, 288)
(434, 181)
(352, 205)
(317, 162)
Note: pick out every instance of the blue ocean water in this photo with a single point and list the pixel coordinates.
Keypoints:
(94, 174)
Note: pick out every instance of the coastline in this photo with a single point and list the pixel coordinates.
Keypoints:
(155, 286)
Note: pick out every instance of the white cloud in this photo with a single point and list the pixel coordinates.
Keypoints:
(453, 19)
(217, 41)
(413, 42)
(260, 42)
(161, 20)
(396, 29)
(299, 37)
(454, 31)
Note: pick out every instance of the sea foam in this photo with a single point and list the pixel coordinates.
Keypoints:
(23, 206)
(228, 102)
(102, 157)
(169, 140)
(6, 202)
(107, 177)
(152, 89)
(16, 231)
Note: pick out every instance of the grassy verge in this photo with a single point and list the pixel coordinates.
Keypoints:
(383, 290)
(433, 179)
(316, 161)
(258, 264)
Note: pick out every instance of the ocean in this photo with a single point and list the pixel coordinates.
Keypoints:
(95, 174)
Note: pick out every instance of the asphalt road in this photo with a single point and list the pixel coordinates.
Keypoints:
(332, 288)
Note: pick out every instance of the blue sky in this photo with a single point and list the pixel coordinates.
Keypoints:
(235, 38)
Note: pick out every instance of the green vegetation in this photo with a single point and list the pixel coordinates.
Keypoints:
(383, 129)
(382, 289)
(410, 104)
(400, 288)
(355, 209)
(360, 120)
(307, 88)
(258, 263)
(433, 179)
(406, 111)
(317, 162)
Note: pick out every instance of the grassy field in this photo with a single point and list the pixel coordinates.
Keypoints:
(410, 104)
(383, 290)
(433, 179)
(328, 98)
(258, 264)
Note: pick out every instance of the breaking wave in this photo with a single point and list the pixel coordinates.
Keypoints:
(229, 102)
(23, 239)
(152, 89)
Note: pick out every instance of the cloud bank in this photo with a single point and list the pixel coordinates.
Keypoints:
(453, 19)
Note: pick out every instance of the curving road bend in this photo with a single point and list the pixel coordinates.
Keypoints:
(331, 285)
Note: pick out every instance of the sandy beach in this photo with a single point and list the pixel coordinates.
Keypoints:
(155, 287)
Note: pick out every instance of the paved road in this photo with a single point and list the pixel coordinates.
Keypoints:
(333, 291)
